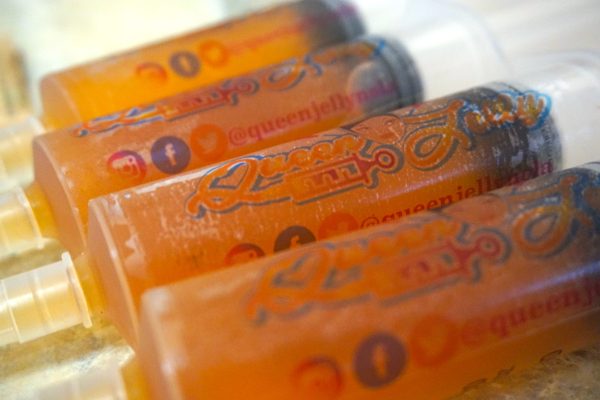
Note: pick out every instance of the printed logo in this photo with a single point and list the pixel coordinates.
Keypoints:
(429, 134)
(227, 93)
(340, 163)
(208, 142)
(508, 107)
(551, 214)
(388, 266)
(127, 164)
(170, 154)
(281, 77)
(293, 236)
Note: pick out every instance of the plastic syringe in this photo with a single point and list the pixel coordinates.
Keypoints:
(300, 97)
(417, 309)
(377, 170)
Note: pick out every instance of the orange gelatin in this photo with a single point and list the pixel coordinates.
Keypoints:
(234, 117)
(418, 309)
(378, 170)
(186, 62)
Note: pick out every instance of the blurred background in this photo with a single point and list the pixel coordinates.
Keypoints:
(50, 35)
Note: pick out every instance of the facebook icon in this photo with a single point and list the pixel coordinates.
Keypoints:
(170, 154)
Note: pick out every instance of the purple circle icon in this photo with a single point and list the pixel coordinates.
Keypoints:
(170, 154)
(379, 360)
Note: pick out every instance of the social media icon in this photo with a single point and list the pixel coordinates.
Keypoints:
(208, 142)
(337, 224)
(170, 154)
(292, 237)
(242, 253)
(318, 378)
(128, 164)
(433, 340)
(379, 360)
(151, 72)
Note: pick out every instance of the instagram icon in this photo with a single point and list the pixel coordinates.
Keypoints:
(128, 164)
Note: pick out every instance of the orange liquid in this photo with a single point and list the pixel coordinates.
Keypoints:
(186, 62)
(378, 170)
(418, 309)
(238, 116)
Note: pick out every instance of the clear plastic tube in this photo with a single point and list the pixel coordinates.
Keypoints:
(417, 309)
(374, 171)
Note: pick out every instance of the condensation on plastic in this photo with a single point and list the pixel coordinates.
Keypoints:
(41, 301)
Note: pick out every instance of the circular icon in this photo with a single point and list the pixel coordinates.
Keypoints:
(208, 142)
(214, 53)
(379, 360)
(185, 64)
(337, 224)
(242, 253)
(385, 159)
(170, 154)
(433, 340)
(317, 378)
(370, 221)
(127, 164)
(151, 72)
(292, 237)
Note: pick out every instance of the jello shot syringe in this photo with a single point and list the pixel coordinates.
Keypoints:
(380, 169)
(172, 66)
(302, 96)
(416, 309)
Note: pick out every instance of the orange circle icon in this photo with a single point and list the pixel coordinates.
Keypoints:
(213, 53)
(208, 142)
(336, 224)
(433, 341)
(318, 378)
(151, 72)
(243, 252)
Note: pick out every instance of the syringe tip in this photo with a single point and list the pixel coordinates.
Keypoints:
(103, 384)
(41, 301)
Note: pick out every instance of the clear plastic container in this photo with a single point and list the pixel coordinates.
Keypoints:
(377, 170)
(417, 309)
